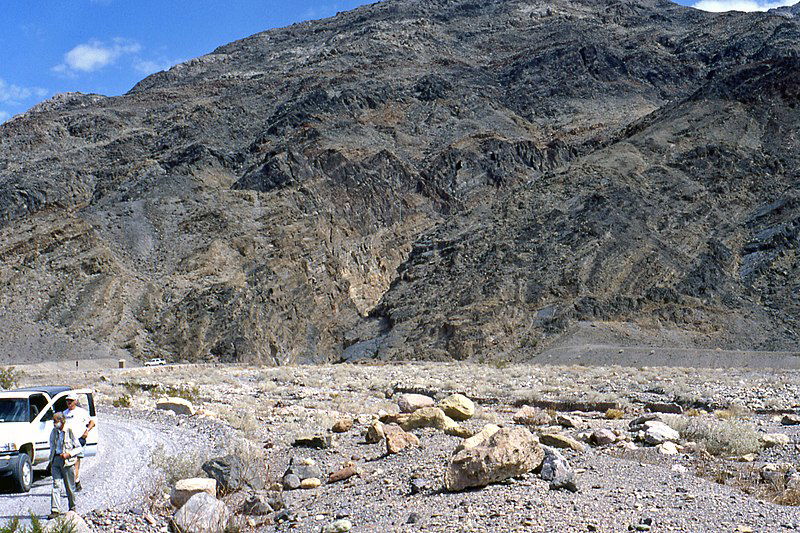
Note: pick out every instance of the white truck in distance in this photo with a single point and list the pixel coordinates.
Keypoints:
(155, 362)
(26, 420)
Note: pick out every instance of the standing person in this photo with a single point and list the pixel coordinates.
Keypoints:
(80, 421)
(64, 450)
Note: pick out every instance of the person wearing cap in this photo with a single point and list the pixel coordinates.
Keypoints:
(81, 423)
(64, 450)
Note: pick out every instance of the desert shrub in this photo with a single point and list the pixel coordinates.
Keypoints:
(717, 436)
(176, 467)
(614, 414)
(59, 526)
(254, 460)
(122, 401)
(187, 392)
(733, 412)
(9, 377)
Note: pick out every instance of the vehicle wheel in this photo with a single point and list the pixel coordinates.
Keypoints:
(23, 473)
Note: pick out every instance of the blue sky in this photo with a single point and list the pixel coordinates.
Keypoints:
(106, 46)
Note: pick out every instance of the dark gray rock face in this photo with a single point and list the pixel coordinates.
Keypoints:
(437, 179)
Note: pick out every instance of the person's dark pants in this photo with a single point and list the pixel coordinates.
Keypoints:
(63, 476)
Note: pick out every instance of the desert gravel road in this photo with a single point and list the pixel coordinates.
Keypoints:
(118, 476)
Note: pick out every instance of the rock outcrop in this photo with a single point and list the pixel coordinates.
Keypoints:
(440, 179)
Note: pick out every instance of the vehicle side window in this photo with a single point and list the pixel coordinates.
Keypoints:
(86, 401)
(48, 416)
(38, 402)
(61, 404)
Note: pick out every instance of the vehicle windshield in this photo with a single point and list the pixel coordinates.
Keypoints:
(13, 410)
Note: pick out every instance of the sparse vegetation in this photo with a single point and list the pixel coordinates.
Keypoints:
(187, 392)
(614, 414)
(59, 526)
(9, 377)
(177, 467)
(717, 436)
(122, 401)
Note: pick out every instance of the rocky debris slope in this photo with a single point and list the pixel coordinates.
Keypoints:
(523, 164)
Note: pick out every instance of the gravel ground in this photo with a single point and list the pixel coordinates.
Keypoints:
(620, 489)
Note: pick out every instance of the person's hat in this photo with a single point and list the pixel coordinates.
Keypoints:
(72, 397)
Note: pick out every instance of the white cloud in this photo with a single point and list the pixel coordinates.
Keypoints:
(94, 55)
(740, 5)
(4, 116)
(147, 67)
(15, 94)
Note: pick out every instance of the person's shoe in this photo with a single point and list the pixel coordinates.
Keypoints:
(53, 515)
(78, 486)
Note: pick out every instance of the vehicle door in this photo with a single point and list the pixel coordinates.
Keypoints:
(85, 400)
(42, 426)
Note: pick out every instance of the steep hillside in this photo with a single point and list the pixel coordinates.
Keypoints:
(522, 165)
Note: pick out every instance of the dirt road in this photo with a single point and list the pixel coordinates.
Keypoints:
(117, 477)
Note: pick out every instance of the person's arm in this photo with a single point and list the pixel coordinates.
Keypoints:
(52, 447)
(89, 427)
(77, 449)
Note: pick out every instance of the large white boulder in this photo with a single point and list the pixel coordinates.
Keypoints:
(186, 488)
(202, 514)
(179, 406)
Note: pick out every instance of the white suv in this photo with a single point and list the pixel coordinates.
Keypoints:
(155, 362)
(26, 420)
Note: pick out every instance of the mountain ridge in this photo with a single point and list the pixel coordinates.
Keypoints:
(270, 201)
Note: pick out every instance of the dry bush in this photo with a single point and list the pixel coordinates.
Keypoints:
(717, 437)
(9, 377)
(122, 401)
(614, 414)
(173, 468)
(733, 412)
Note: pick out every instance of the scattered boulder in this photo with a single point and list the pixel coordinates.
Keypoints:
(664, 407)
(186, 488)
(557, 471)
(602, 437)
(790, 420)
(397, 439)
(429, 417)
(227, 471)
(458, 407)
(667, 448)
(507, 453)
(557, 440)
(202, 513)
(302, 469)
(774, 473)
(339, 526)
(320, 442)
(345, 473)
(310, 483)
(375, 432)
(393, 418)
(179, 406)
(291, 482)
(658, 432)
(568, 421)
(260, 504)
(479, 438)
(532, 416)
(343, 425)
(408, 403)
(638, 423)
(71, 521)
(775, 439)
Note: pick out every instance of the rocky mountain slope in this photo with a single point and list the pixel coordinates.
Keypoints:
(418, 179)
